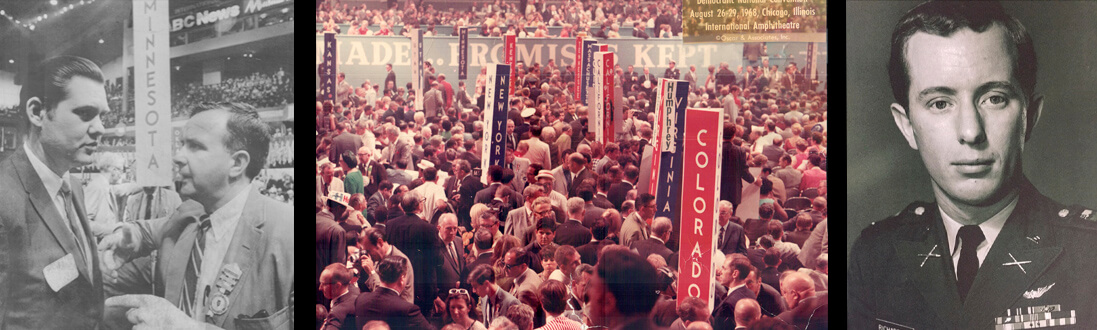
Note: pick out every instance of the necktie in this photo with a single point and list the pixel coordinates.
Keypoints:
(722, 230)
(148, 206)
(970, 238)
(74, 223)
(453, 253)
(194, 267)
(567, 177)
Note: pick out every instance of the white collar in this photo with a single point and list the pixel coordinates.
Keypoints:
(226, 217)
(50, 180)
(658, 239)
(990, 228)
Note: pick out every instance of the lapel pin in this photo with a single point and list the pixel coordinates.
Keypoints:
(928, 255)
(1017, 263)
(1034, 239)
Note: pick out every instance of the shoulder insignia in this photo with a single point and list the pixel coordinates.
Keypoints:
(1082, 213)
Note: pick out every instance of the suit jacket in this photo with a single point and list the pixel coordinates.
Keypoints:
(487, 194)
(651, 246)
(262, 247)
(539, 153)
(520, 225)
(816, 244)
(385, 305)
(771, 301)
(420, 242)
(164, 202)
(617, 193)
(341, 316)
(808, 313)
(377, 209)
(735, 240)
(588, 253)
(592, 214)
(528, 281)
(34, 235)
(482, 259)
(572, 233)
(633, 229)
(889, 282)
(723, 314)
(451, 268)
(734, 163)
(521, 166)
(345, 142)
(503, 302)
(433, 102)
(754, 229)
(331, 243)
(601, 200)
(467, 190)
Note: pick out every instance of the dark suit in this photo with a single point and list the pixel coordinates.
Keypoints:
(809, 313)
(467, 190)
(602, 201)
(390, 77)
(451, 269)
(735, 240)
(343, 143)
(377, 209)
(592, 215)
(900, 270)
(384, 304)
(34, 235)
(420, 241)
(771, 301)
(651, 246)
(482, 259)
(770, 276)
(572, 233)
(341, 316)
(487, 194)
(588, 253)
(754, 229)
(331, 244)
(576, 179)
(736, 171)
(723, 314)
(617, 193)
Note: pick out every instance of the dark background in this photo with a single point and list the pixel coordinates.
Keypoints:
(884, 175)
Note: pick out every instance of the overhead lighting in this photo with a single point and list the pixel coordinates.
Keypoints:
(100, 40)
(53, 2)
(12, 61)
(31, 27)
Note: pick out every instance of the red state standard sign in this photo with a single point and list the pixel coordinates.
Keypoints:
(700, 195)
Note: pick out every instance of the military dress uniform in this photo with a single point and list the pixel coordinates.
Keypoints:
(1038, 273)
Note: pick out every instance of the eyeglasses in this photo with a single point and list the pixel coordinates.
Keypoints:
(509, 266)
(459, 291)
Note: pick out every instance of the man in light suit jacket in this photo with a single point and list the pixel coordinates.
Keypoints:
(227, 239)
(49, 271)
(432, 101)
(538, 150)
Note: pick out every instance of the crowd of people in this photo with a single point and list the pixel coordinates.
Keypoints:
(259, 89)
(600, 19)
(551, 237)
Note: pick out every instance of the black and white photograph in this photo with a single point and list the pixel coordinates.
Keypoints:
(970, 198)
(146, 174)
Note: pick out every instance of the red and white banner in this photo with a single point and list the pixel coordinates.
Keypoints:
(509, 42)
(607, 95)
(700, 195)
(578, 66)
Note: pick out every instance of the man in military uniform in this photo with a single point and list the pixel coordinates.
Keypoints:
(992, 251)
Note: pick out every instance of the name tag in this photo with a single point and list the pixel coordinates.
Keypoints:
(888, 325)
(61, 272)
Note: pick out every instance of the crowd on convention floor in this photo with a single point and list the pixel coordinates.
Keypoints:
(408, 236)
(600, 19)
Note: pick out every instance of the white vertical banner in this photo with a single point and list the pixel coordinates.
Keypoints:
(599, 104)
(417, 68)
(151, 60)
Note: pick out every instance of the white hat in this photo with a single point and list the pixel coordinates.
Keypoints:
(339, 197)
(528, 112)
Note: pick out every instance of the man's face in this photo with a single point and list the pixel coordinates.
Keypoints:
(483, 290)
(448, 229)
(205, 164)
(754, 282)
(544, 237)
(513, 269)
(329, 286)
(545, 183)
(569, 267)
(725, 215)
(647, 211)
(71, 130)
(116, 173)
(510, 127)
(724, 275)
(966, 113)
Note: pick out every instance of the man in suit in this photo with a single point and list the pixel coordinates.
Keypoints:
(634, 227)
(691, 77)
(482, 239)
(331, 244)
(433, 102)
(420, 241)
(377, 205)
(672, 73)
(520, 166)
(592, 213)
(228, 240)
(600, 198)
(150, 203)
(453, 253)
(588, 253)
(572, 232)
(954, 263)
(538, 150)
(516, 266)
(661, 229)
(372, 241)
(807, 309)
(50, 276)
(735, 164)
(346, 141)
(737, 275)
(570, 174)
(336, 287)
(390, 77)
(730, 237)
(618, 191)
(384, 303)
(519, 222)
(495, 180)
(802, 231)
(494, 301)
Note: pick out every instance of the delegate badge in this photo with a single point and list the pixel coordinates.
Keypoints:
(219, 304)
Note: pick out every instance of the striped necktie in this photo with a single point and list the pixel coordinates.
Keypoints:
(194, 267)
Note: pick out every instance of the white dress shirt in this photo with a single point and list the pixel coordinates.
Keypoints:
(223, 222)
(990, 229)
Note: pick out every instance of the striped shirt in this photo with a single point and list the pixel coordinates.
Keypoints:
(561, 323)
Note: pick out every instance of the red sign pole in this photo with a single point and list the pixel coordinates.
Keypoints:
(509, 55)
(700, 195)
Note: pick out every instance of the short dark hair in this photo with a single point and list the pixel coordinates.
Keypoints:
(644, 199)
(372, 235)
(481, 274)
(630, 279)
(495, 172)
(350, 158)
(384, 185)
(943, 18)
(742, 264)
(430, 174)
(47, 79)
(554, 296)
(483, 239)
(599, 229)
(246, 130)
(390, 268)
(521, 256)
